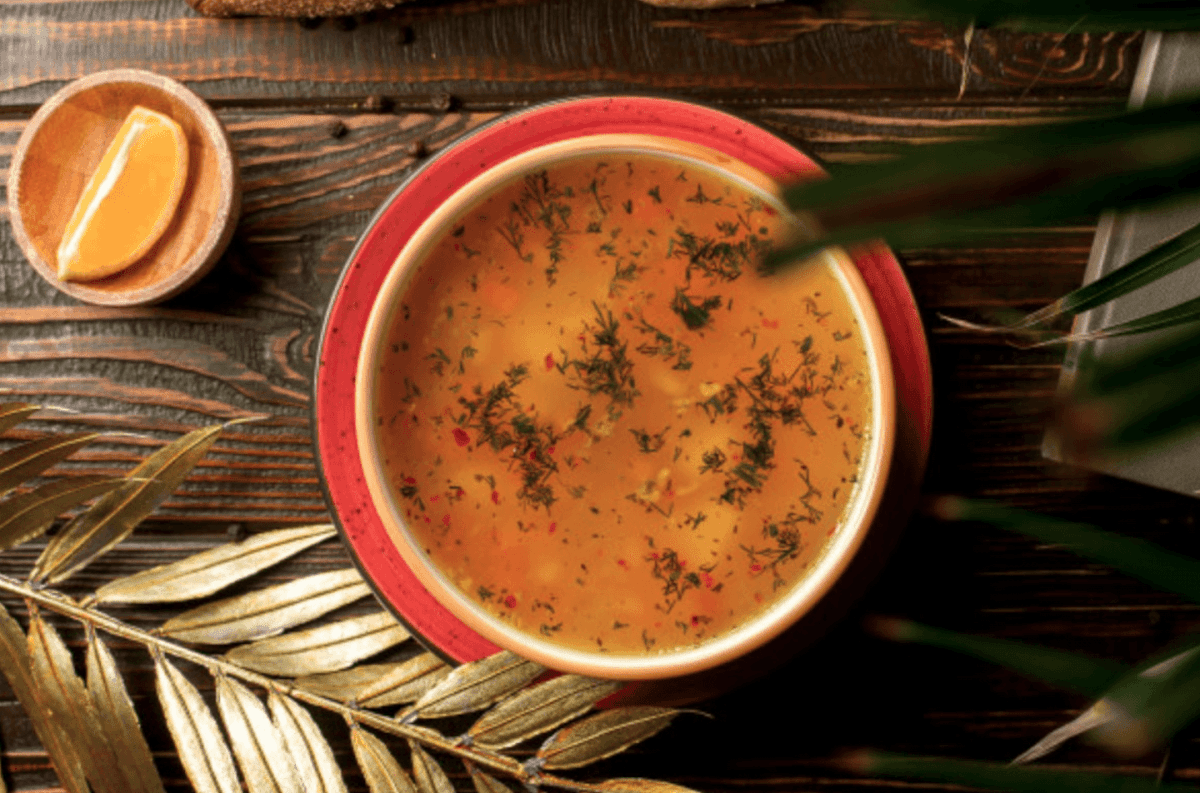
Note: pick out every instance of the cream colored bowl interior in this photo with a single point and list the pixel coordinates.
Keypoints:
(837, 555)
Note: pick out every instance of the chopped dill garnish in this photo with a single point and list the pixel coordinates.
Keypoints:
(664, 346)
(712, 460)
(605, 367)
(694, 315)
(670, 571)
(503, 423)
(649, 442)
(440, 359)
(701, 198)
(621, 276)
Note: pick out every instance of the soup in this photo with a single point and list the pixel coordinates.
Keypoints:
(602, 424)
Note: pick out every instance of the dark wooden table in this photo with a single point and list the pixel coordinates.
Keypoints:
(324, 119)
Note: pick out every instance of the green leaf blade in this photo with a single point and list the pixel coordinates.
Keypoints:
(1164, 259)
(1073, 671)
(1143, 560)
(1019, 177)
(995, 776)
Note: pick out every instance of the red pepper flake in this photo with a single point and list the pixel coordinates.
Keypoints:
(409, 480)
(549, 361)
(461, 437)
(550, 450)
(623, 563)
(495, 496)
(510, 602)
(457, 247)
(707, 579)
(695, 620)
(756, 568)
(434, 498)
(770, 210)
(553, 526)
(427, 520)
(446, 520)
(773, 324)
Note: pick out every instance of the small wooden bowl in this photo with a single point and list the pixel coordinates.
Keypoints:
(59, 150)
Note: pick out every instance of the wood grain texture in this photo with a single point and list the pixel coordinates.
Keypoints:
(517, 51)
(241, 343)
(317, 157)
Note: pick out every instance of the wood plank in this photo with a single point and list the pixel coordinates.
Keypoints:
(486, 53)
(316, 163)
(242, 342)
(961, 707)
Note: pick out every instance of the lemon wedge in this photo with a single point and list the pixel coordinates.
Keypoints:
(129, 200)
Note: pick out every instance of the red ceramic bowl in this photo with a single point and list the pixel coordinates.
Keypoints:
(369, 523)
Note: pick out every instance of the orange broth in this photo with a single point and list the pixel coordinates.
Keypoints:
(603, 424)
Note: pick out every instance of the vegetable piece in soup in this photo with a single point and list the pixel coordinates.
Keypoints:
(603, 424)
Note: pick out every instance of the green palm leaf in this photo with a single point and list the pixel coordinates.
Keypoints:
(1164, 259)
(1185, 313)
(1023, 176)
(1130, 401)
(1081, 673)
(1156, 566)
(994, 776)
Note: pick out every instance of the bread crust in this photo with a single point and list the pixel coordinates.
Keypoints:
(301, 9)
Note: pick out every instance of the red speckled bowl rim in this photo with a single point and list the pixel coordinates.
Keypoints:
(338, 462)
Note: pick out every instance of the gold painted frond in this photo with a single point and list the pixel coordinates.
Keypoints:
(280, 659)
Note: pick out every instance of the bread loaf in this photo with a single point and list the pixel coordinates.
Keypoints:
(303, 9)
(289, 8)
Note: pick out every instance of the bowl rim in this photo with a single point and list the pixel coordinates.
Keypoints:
(856, 519)
(224, 220)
